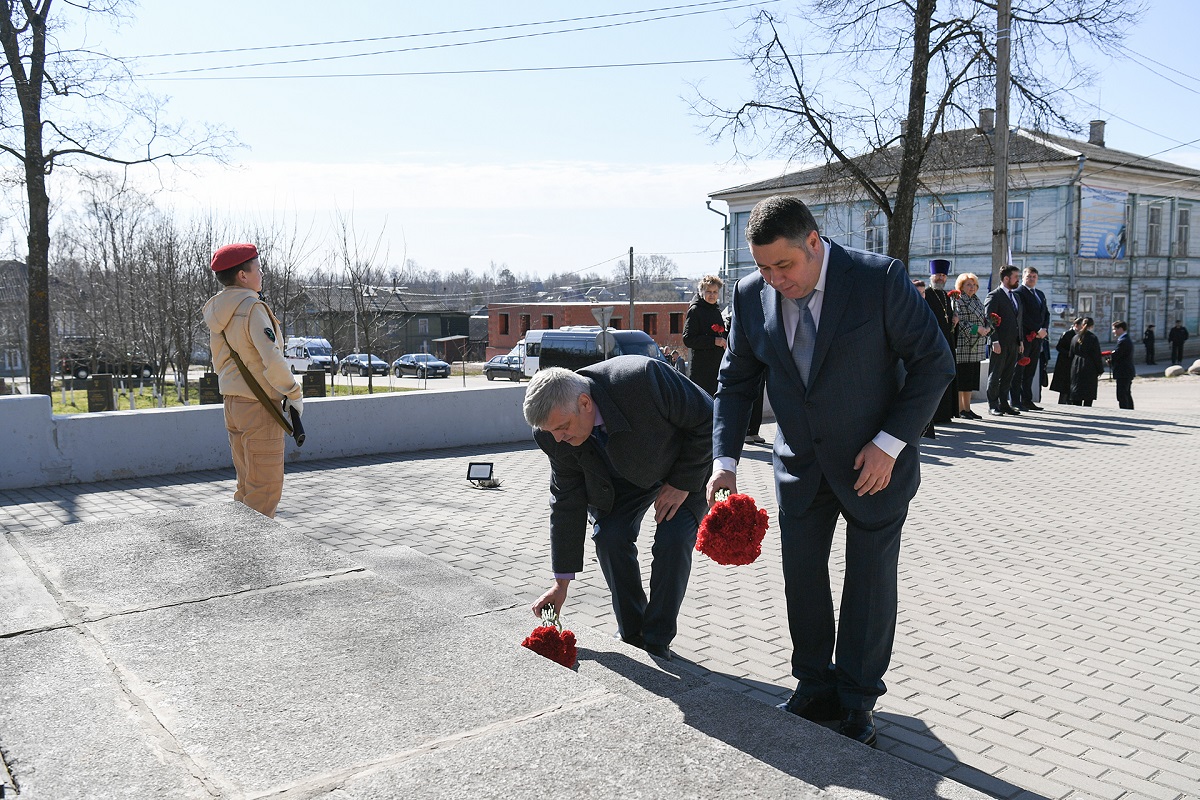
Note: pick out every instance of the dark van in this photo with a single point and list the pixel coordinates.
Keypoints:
(576, 346)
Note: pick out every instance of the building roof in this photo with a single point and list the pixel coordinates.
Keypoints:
(967, 149)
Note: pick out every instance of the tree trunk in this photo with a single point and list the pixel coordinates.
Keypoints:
(900, 225)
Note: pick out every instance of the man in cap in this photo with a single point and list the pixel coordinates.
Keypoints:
(239, 320)
(943, 310)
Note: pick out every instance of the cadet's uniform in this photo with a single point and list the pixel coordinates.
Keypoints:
(256, 439)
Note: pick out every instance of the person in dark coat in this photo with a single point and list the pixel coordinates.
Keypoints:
(1177, 336)
(1148, 341)
(1005, 341)
(1061, 381)
(942, 306)
(1035, 323)
(1122, 364)
(704, 332)
(1087, 365)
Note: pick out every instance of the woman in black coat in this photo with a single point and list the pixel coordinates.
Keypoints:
(704, 332)
(1087, 365)
(1061, 382)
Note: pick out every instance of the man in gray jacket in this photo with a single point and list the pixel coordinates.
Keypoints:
(622, 436)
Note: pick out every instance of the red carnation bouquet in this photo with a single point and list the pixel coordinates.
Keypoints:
(551, 641)
(718, 329)
(732, 531)
(1029, 337)
(954, 294)
(995, 319)
(1023, 361)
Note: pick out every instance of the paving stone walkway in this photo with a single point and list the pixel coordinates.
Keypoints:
(1049, 633)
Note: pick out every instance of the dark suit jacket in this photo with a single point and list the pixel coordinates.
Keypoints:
(1008, 332)
(1035, 314)
(659, 427)
(880, 364)
(1122, 359)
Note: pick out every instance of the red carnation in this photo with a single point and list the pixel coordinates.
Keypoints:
(1023, 361)
(1029, 337)
(995, 318)
(718, 328)
(732, 531)
(954, 293)
(551, 641)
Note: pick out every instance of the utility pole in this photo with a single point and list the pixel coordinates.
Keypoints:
(632, 324)
(1000, 142)
(725, 250)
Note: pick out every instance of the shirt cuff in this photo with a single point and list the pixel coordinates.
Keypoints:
(564, 576)
(725, 463)
(888, 444)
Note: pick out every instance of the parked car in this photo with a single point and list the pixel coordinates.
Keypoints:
(363, 364)
(423, 365)
(503, 367)
(80, 365)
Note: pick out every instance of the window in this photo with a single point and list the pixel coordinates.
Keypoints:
(1016, 226)
(1183, 226)
(616, 323)
(741, 251)
(1087, 305)
(504, 324)
(942, 226)
(1154, 231)
(650, 324)
(423, 326)
(676, 322)
(547, 321)
(524, 324)
(1177, 307)
(1120, 307)
(1150, 310)
(875, 233)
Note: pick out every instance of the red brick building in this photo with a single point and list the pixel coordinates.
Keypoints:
(507, 322)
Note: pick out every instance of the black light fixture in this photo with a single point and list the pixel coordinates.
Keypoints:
(479, 474)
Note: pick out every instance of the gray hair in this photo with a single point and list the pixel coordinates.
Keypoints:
(551, 389)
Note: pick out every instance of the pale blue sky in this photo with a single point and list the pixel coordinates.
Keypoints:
(554, 170)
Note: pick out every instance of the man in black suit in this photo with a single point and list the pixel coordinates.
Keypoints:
(1122, 364)
(622, 436)
(1035, 326)
(854, 364)
(1177, 336)
(1006, 341)
(1148, 341)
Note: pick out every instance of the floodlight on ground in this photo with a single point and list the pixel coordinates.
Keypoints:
(479, 474)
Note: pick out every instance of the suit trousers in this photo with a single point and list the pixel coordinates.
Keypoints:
(1125, 392)
(867, 620)
(1000, 375)
(1023, 377)
(256, 441)
(615, 536)
(1176, 352)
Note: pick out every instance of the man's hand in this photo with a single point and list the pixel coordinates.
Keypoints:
(721, 479)
(996, 348)
(289, 404)
(668, 502)
(719, 341)
(1043, 333)
(875, 469)
(556, 596)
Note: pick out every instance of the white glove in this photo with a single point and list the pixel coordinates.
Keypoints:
(289, 404)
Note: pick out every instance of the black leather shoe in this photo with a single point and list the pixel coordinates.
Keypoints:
(1031, 407)
(658, 651)
(995, 412)
(821, 707)
(1012, 412)
(928, 433)
(859, 726)
(969, 414)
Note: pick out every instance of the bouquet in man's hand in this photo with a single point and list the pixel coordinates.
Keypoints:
(994, 318)
(732, 531)
(550, 640)
(1023, 361)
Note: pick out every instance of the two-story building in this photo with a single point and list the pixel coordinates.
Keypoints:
(1109, 231)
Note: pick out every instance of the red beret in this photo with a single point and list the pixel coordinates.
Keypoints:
(233, 255)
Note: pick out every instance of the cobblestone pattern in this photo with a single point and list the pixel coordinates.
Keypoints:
(1049, 633)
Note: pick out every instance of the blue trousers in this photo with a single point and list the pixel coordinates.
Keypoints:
(655, 619)
(867, 621)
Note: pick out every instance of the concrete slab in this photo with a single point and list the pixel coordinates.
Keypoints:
(157, 559)
(25, 605)
(268, 689)
(70, 730)
(455, 590)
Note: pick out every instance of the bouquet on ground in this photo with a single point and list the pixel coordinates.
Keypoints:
(732, 531)
(550, 640)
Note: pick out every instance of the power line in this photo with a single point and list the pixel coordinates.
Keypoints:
(433, 33)
(513, 37)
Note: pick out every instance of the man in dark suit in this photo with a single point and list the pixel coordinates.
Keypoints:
(1122, 364)
(1148, 341)
(1006, 341)
(854, 364)
(623, 435)
(1177, 336)
(1035, 325)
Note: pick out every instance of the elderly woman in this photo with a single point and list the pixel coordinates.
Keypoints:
(704, 332)
(971, 347)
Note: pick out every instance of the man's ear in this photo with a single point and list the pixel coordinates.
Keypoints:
(585, 403)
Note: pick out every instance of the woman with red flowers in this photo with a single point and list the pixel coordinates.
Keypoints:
(971, 347)
(704, 332)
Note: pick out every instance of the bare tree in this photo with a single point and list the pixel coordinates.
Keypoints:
(885, 77)
(94, 115)
(359, 259)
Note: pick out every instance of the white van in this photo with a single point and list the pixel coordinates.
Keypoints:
(305, 353)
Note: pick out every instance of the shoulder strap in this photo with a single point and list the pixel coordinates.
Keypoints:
(275, 411)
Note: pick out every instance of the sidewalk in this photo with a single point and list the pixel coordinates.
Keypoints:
(1049, 634)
